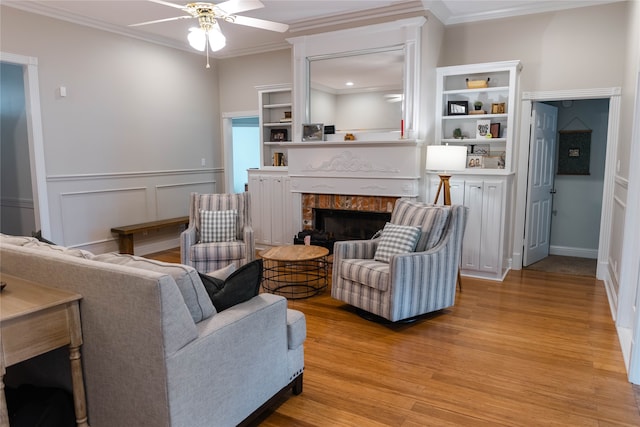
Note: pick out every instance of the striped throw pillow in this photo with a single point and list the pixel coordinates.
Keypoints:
(218, 226)
(396, 239)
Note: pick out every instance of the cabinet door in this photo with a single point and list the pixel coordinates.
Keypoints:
(491, 232)
(277, 206)
(260, 208)
(471, 244)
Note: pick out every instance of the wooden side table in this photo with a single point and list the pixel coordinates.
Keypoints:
(35, 319)
(295, 271)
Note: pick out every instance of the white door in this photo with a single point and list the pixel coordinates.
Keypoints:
(540, 182)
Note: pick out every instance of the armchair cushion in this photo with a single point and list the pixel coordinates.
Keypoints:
(218, 226)
(396, 239)
(374, 274)
(240, 286)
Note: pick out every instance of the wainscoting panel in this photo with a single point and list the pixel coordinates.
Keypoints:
(172, 200)
(90, 215)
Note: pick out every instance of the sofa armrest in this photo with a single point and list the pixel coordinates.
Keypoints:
(188, 238)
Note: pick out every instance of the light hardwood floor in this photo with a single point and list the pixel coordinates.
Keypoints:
(537, 349)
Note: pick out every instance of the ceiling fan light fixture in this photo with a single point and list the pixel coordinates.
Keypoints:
(217, 40)
(197, 38)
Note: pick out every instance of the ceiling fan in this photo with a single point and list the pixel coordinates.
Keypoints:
(208, 14)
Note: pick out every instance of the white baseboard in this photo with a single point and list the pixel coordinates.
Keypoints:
(575, 252)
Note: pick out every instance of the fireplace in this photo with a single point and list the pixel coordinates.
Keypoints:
(349, 225)
(331, 217)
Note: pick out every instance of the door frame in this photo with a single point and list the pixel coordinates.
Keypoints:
(35, 138)
(528, 98)
(227, 142)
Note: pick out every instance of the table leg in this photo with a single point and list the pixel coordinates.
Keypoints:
(77, 379)
(4, 413)
(125, 244)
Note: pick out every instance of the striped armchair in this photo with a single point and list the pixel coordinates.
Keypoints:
(410, 284)
(213, 255)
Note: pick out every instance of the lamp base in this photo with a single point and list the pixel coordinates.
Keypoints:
(444, 182)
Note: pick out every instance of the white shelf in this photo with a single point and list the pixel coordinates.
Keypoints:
(285, 105)
(476, 117)
(474, 140)
(472, 91)
(276, 124)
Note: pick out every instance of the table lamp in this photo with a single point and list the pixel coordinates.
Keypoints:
(446, 158)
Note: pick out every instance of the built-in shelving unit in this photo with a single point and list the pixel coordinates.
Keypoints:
(275, 107)
(458, 122)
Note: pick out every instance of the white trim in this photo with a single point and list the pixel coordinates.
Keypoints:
(528, 98)
(134, 174)
(35, 137)
(574, 252)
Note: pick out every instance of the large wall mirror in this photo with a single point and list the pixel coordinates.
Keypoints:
(359, 91)
(382, 61)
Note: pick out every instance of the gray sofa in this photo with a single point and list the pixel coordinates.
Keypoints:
(151, 356)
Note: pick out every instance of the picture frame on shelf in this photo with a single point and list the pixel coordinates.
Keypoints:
(492, 162)
(498, 108)
(494, 129)
(481, 150)
(457, 108)
(279, 135)
(474, 161)
(313, 132)
(482, 128)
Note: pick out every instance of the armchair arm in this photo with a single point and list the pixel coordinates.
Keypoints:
(188, 238)
(249, 241)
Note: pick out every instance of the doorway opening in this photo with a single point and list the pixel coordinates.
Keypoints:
(610, 96)
(242, 148)
(30, 193)
(566, 236)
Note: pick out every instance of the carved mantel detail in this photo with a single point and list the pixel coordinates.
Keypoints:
(348, 162)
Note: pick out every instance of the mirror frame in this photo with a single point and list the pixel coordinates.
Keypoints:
(401, 33)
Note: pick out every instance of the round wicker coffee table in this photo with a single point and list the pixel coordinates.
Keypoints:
(295, 271)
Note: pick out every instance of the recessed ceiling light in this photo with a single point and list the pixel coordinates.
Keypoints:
(349, 83)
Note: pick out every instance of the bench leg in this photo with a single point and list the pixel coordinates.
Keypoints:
(125, 244)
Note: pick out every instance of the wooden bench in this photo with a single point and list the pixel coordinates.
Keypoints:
(126, 233)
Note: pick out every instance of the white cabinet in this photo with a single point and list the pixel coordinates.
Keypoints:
(275, 108)
(271, 208)
(483, 246)
(458, 123)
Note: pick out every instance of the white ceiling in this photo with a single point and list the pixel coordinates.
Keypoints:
(301, 15)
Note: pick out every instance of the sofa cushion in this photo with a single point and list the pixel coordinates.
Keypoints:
(374, 274)
(430, 218)
(187, 279)
(7, 239)
(296, 329)
(241, 285)
(396, 239)
(220, 251)
(41, 246)
(218, 226)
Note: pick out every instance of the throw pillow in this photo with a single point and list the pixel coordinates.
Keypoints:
(241, 285)
(223, 272)
(396, 239)
(186, 277)
(218, 226)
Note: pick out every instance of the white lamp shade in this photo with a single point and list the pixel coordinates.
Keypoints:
(197, 38)
(217, 40)
(446, 157)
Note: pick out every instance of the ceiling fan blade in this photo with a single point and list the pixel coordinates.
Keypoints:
(234, 6)
(166, 3)
(161, 20)
(260, 23)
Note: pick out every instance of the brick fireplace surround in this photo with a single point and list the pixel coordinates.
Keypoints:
(343, 202)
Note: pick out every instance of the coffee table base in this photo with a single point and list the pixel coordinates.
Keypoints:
(295, 272)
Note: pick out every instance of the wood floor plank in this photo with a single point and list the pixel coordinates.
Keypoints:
(539, 349)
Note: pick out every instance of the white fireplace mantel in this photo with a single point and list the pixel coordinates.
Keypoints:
(383, 168)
